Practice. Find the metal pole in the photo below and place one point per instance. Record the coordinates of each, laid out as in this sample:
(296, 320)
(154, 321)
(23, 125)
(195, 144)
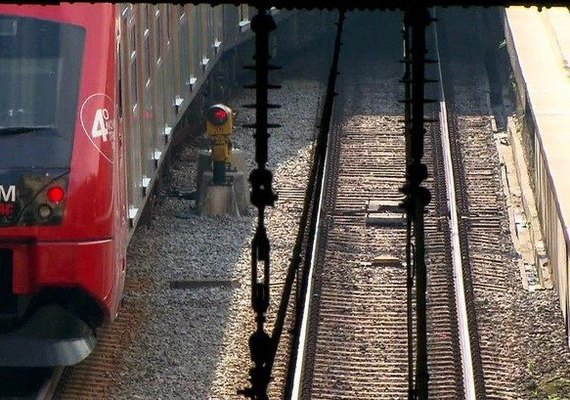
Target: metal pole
(419, 19)
(406, 80)
(262, 347)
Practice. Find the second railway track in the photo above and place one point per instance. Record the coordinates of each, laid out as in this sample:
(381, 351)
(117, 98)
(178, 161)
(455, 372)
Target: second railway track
(358, 346)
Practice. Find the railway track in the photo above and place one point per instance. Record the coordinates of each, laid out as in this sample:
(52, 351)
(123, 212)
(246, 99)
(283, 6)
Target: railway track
(361, 306)
(442, 305)
(486, 245)
(357, 346)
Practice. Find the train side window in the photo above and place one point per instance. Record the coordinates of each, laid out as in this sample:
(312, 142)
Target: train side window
(147, 56)
(182, 18)
(145, 19)
(206, 32)
(244, 13)
(193, 44)
(122, 62)
(218, 26)
(133, 40)
(133, 72)
(196, 38)
(145, 29)
(183, 35)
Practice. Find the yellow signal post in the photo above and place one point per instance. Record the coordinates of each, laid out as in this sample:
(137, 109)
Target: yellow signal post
(220, 126)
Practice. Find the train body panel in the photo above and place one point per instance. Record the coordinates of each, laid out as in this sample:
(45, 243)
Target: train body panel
(91, 145)
(167, 55)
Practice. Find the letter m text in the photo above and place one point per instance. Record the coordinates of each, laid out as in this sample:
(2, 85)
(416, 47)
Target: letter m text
(9, 195)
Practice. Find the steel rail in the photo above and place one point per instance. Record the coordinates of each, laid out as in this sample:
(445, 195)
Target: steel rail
(462, 317)
(323, 160)
(297, 377)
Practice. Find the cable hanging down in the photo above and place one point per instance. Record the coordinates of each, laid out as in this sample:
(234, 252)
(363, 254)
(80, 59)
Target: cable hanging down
(417, 197)
(262, 347)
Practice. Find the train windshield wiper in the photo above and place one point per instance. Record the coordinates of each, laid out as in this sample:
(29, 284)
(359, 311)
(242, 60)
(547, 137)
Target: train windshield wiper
(17, 130)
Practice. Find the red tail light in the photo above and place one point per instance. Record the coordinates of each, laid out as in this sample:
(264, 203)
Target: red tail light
(55, 194)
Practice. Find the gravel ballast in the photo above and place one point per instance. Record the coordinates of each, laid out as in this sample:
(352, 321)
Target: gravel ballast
(195, 339)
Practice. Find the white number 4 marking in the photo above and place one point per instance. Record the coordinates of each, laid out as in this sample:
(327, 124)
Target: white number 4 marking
(100, 124)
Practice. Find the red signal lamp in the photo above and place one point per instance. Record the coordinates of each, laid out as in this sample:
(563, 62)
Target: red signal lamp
(218, 115)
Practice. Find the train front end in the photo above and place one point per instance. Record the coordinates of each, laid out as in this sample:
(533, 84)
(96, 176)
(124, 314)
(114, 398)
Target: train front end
(61, 223)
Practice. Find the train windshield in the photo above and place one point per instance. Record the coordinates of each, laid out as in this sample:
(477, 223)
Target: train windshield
(40, 68)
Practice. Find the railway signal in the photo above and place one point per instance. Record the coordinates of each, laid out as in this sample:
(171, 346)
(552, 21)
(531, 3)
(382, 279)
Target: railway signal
(220, 126)
(220, 120)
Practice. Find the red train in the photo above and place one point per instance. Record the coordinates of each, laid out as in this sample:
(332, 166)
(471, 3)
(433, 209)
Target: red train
(87, 105)
(89, 97)
(63, 228)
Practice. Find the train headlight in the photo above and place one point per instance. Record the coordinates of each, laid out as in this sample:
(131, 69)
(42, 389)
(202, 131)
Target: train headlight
(44, 211)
